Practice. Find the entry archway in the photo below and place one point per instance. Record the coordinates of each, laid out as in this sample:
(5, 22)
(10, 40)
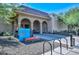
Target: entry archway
(44, 27)
(36, 27)
(25, 23)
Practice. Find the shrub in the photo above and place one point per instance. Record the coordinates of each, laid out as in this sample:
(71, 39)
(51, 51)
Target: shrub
(6, 34)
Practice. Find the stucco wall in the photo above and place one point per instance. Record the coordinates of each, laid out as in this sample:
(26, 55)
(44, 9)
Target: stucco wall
(59, 26)
(56, 25)
(5, 27)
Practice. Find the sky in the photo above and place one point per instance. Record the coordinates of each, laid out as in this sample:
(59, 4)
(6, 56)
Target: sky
(52, 7)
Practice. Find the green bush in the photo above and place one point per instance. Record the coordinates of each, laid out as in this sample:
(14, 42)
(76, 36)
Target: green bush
(6, 34)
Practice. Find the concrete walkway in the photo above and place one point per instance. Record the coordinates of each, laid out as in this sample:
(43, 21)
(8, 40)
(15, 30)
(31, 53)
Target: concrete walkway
(14, 47)
(73, 51)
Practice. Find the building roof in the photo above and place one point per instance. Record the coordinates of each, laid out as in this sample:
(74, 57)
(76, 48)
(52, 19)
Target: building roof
(34, 11)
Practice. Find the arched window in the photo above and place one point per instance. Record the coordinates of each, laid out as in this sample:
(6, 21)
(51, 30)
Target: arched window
(36, 26)
(44, 27)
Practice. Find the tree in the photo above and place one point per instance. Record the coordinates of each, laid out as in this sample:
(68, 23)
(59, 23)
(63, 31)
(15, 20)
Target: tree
(70, 18)
(8, 13)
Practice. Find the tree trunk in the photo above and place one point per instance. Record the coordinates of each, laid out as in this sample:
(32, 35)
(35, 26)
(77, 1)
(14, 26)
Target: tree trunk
(13, 28)
(69, 28)
(76, 31)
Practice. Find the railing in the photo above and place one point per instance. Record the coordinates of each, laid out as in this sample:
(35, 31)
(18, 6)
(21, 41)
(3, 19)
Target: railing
(44, 46)
(61, 44)
(54, 45)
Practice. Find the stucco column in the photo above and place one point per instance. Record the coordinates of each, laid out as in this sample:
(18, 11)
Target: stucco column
(31, 25)
(19, 22)
(41, 28)
(31, 28)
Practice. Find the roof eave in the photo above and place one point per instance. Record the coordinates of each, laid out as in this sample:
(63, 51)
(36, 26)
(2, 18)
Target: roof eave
(34, 15)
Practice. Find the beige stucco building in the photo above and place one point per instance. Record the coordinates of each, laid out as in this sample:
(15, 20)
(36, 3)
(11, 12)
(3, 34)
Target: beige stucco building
(38, 21)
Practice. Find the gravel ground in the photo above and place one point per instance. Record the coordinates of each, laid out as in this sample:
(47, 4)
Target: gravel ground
(14, 47)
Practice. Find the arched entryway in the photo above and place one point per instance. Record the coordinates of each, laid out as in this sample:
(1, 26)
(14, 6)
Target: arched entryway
(25, 23)
(44, 27)
(36, 27)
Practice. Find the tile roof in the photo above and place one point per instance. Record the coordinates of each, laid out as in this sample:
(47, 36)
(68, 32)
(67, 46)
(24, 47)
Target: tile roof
(34, 11)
